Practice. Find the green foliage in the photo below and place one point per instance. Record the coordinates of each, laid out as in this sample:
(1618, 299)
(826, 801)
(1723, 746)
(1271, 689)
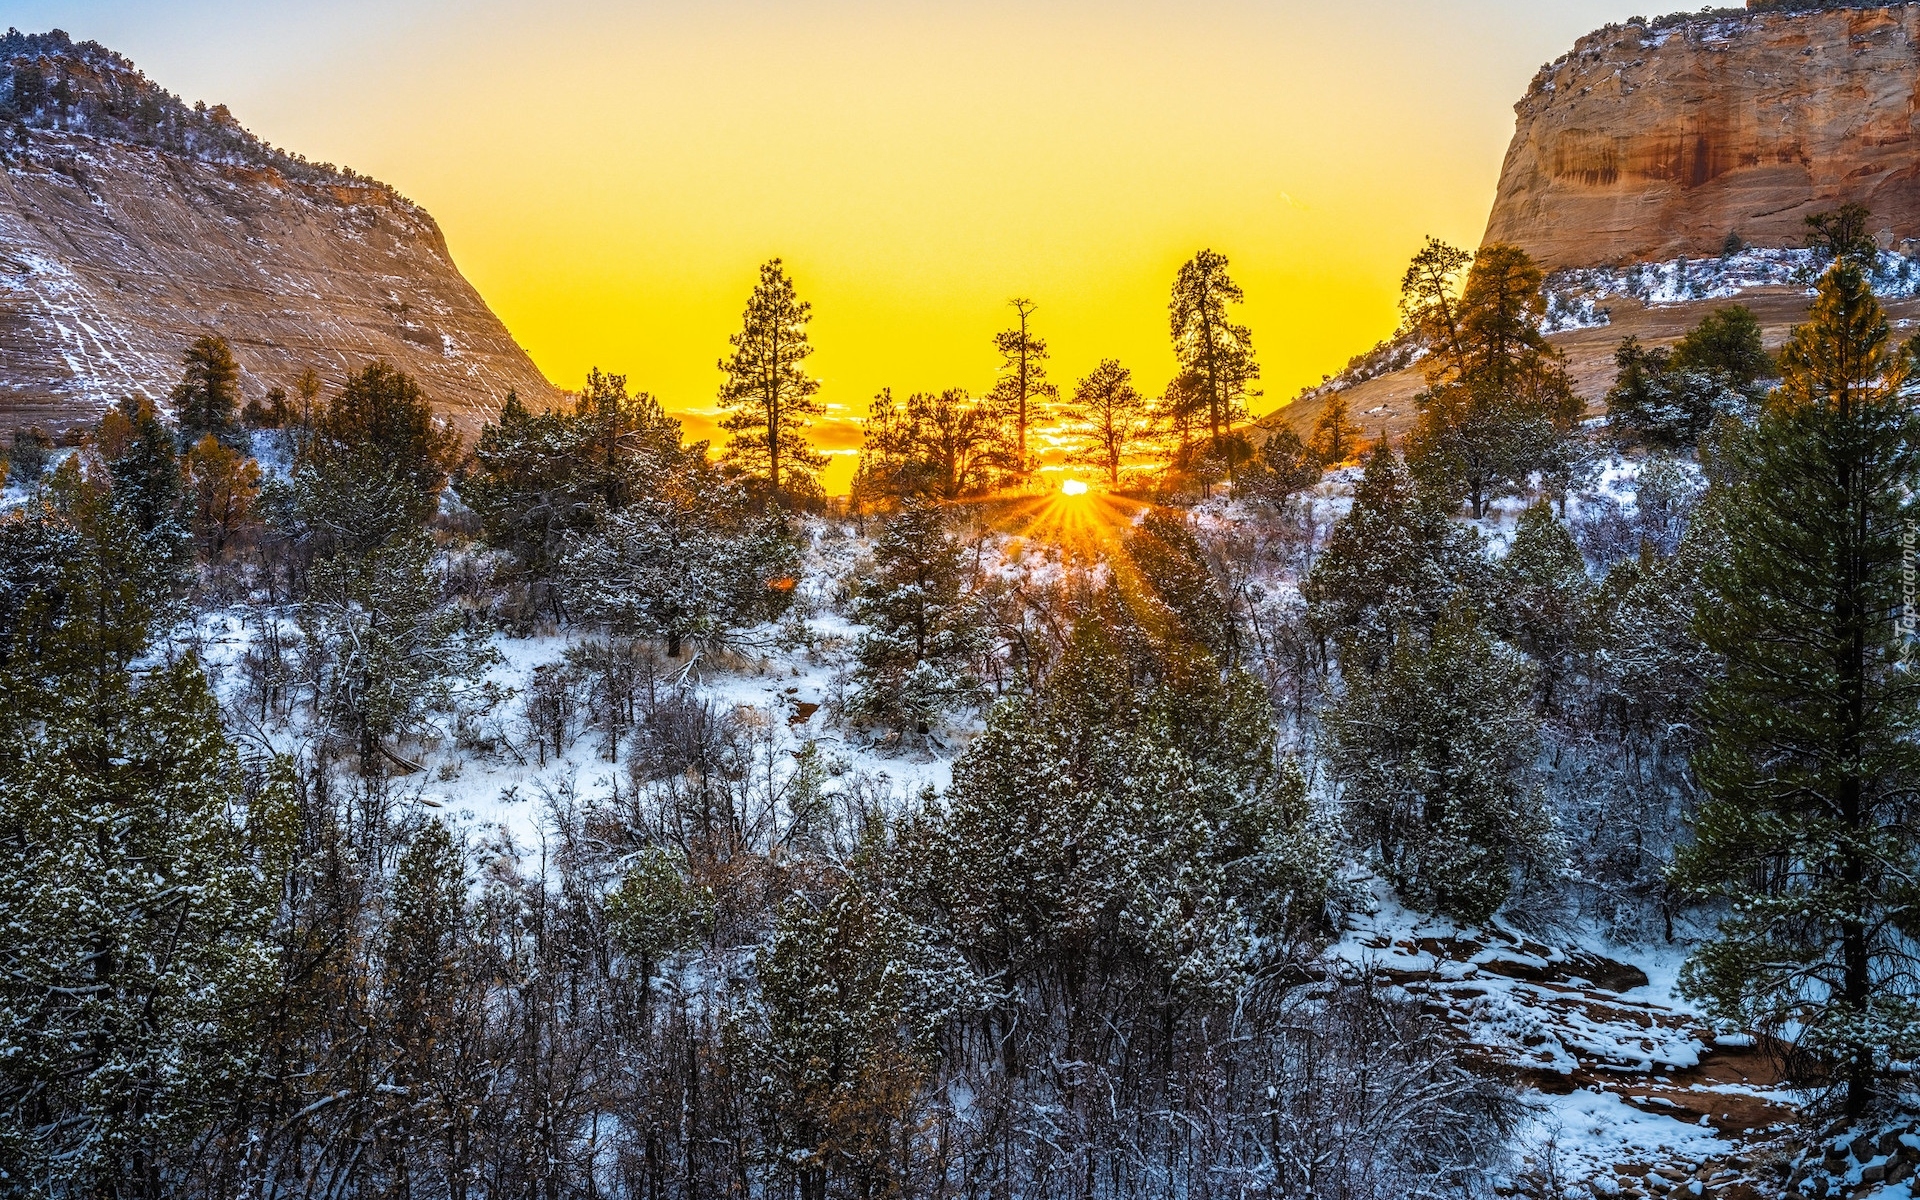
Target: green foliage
(1392, 566)
(1542, 598)
(1287, 467)
(1726, 340)
(853, 997)
(1118, 819)
(27, 457)
(536, 477)
(207, 398)
(82, 583)
(139, 881)
(686, 560)
(370, 466)
(768, 395)
(1435, 752)
(1843, 233)
(657, 910)
(1809, 756)
(397, 651)
(1672, 398)
(1429, 297)
(1498, 403)
(915, 657)
(1179, 590)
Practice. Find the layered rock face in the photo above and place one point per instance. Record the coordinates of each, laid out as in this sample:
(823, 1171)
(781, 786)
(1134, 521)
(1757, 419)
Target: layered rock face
(129, 225)
(1651, 144)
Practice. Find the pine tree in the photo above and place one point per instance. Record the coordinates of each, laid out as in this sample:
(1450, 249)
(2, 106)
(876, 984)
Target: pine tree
(397, 649)
(1336, 437)
(1210, 347)
(1542, 598)
(1392, 565)
(1498, 400)
(207, 398)
(536, 478)
(768, 394)
(853, 998)
(1672, 397)
(916, 654)
(1435, 753)
(1022, 384)
(1843, 233)
(937, 445)
(139, 452)
(224, 486)
(27, 457)
(683, 561)
(1429, 299)
(1288, 467)
(1726, 340)
(1809, 758)
(371, 464)
(140, 876)
(1179, 585)
(1114, 417)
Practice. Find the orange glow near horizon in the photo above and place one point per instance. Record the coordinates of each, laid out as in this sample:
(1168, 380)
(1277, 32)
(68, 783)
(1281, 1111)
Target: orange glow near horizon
(611, 175)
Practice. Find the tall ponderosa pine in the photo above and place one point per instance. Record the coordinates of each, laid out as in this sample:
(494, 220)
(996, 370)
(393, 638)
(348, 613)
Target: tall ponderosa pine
(1023, 378)
(1810, 761)
(207, 398)
(1498, 398)
(768, 394)
(1113, 415)
(1212, 349)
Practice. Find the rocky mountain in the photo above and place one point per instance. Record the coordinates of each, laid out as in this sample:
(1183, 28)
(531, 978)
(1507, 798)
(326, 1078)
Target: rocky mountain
(1664, 168)
(1653, 141)
(130, 224)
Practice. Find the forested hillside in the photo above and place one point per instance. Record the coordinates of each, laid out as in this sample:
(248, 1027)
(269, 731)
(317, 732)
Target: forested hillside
(1098, 802)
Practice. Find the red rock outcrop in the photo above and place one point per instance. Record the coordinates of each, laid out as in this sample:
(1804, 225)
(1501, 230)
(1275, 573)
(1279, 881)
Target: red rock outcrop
(129, 225)
(1648, 144)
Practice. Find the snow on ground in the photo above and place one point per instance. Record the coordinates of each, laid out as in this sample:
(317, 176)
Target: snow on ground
(1620, 1071)
(785, 675)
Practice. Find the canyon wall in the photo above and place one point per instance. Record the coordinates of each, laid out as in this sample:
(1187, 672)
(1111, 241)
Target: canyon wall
(1651, 143)
(129, 225)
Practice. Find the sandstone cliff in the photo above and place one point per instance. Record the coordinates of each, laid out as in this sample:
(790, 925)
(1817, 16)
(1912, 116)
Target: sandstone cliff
(1648, 144)
(130, 224)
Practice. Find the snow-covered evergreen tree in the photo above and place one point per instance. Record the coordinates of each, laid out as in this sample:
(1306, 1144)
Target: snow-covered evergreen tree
(1542, 598)
(139, 882)
(1810, 758)
(1435, 755)
(915, 656)
(1393, 564)
(684, 560)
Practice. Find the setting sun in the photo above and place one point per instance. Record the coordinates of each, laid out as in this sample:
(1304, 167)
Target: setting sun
(1074, 487)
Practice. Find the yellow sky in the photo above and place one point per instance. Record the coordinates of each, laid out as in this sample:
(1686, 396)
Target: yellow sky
(610, 175)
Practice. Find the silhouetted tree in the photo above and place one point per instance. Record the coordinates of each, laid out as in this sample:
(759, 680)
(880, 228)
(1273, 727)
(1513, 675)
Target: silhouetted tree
(768, 395)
